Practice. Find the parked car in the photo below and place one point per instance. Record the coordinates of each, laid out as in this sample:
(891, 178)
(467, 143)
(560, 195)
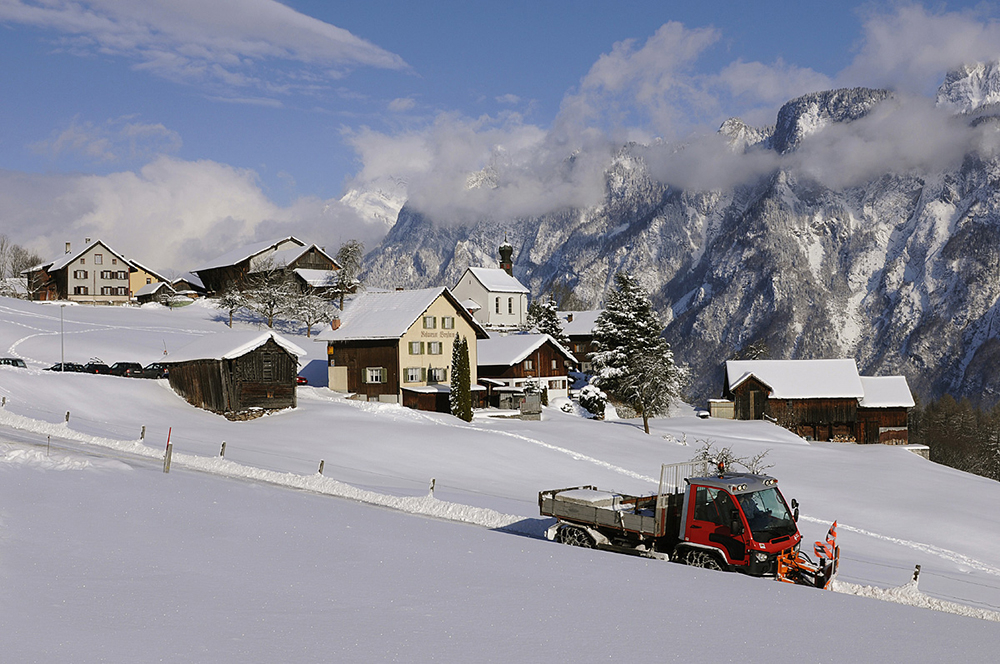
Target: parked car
(69, 366)
(154, 370)
(122, 368)
(301, 380)
(13, 362)
(96, 368)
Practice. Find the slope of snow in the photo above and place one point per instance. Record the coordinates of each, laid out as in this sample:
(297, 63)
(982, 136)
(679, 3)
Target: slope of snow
(256, 557)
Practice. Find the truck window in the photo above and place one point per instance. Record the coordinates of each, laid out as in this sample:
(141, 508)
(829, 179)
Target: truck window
(713, 505)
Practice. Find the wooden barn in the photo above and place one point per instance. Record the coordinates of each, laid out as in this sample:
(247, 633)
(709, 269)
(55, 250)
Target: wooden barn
(308, 264)
(236, 373)
(825, 400)
(506, 362)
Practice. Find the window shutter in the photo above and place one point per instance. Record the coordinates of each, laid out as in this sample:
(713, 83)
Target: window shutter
(423, 374)
(364, 375)
(423, 346)
(383, 375)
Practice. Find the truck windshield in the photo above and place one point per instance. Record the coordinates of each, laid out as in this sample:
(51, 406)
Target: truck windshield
(767, 515)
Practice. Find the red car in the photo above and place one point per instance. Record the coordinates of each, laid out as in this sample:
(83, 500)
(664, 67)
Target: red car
(301, 380)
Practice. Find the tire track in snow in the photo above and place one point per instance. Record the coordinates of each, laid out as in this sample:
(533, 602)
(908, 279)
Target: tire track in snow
(959, 559)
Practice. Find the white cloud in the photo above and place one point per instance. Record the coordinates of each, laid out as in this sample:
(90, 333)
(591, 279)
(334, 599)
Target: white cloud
(221, 42)
(116, 140)
(509, 99)
(171, 214)
(773, 84)
(912, 48)
(401, 104)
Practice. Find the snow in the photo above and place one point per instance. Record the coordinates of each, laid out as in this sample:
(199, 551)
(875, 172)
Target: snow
(149, 289)
(496, 280)
(800, 379)
(230, 345)
(317, 278)
(387, 315)
(257, 557)
(886, 392)
(508, 350)
(582, 324)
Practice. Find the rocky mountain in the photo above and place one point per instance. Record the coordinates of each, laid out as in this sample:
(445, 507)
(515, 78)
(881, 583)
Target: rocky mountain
(901, 272)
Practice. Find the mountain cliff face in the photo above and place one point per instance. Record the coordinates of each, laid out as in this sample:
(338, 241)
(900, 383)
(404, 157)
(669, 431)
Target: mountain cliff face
(901, 272)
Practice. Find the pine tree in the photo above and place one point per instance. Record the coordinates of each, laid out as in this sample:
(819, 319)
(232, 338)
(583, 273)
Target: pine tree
(460, 398)
(543, 317)
(633, 363)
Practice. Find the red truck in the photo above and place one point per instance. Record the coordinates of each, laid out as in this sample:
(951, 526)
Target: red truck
(727, 521)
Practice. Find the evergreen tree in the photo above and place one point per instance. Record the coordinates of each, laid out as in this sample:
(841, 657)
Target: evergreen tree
(460, 398)
(349, 257)
(633, 363)
(543, 317)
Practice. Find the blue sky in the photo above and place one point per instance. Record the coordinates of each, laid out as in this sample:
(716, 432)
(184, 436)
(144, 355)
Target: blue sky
(177, 128)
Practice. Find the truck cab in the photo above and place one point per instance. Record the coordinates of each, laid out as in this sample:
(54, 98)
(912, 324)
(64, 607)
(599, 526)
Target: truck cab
(738, 520)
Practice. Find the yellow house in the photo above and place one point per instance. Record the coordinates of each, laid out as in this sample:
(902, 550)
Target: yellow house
(397, 346)
(142, 276)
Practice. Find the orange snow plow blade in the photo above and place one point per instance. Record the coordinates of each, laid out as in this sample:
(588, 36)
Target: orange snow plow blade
(796, 567)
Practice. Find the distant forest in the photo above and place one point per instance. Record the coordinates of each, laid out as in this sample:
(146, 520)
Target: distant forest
(959, 435)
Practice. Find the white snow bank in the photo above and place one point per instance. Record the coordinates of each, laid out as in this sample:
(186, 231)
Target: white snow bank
(910, 595)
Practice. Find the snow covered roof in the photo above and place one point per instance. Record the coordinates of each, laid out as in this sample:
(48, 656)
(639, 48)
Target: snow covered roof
(68, 258)
(192, 279)
(229, 345)
(582, 324)
(287, 256)
(886, 392)
(800, 379)
(140, 266)
(497, 280)
(389, 314)
(241, 254)
(471, 305)
(513, 348)
(149, 289)
(316, 278)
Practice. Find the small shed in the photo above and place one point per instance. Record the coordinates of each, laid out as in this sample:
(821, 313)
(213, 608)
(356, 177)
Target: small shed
(882, 413)
(236, 374)
(154, 292)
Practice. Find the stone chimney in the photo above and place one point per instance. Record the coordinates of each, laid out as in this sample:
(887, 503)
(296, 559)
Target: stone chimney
(86, 241)
(67, 247)
(506, 253)
(335, 324)
(569, 318)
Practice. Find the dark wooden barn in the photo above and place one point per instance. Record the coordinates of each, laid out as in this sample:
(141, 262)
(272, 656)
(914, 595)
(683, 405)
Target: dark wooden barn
(236, 374)
(825, 400)
(516, 358)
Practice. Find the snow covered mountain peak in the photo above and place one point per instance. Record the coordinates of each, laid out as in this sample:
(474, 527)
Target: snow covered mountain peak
(742, 136)
(810, 113)
(971, 87)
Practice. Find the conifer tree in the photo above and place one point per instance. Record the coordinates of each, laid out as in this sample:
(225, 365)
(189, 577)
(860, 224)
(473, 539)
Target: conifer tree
(543, 317)
(460, 398)
(633, 363)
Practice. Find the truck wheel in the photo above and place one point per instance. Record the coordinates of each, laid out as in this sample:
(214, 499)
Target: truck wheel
(575, 536)
(703, 559)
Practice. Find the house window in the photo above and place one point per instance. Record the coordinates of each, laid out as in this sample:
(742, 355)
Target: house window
(437, 375)
(98, 259)
(447, 322)
(114, 261)
(433, 347)
(413, 374)
(80, 290)
(529, 364)
(416, 348)
(498, 305)
(83, 261)
(374, 375)
(107, 290)
(555, 364)
(123, 274)
(430, 322)
(121, 290)
(79, 274)
(149, 280)
(510, 305)
(106, 274)
(267, 363)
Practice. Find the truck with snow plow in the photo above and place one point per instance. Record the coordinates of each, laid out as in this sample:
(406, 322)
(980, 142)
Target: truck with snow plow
(724, 520)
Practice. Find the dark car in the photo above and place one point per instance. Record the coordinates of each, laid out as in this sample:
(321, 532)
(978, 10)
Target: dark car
(122, 368)
(154, 370)
(68, 366)
(96, 368)
(13, 362)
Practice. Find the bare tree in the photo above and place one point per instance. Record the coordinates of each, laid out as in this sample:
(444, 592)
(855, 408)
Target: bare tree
(311, 310)
(350, 257)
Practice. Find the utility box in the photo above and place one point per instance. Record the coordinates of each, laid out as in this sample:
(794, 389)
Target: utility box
(531, 407)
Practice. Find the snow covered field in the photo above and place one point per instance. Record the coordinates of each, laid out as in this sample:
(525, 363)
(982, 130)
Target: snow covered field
(249, 558)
